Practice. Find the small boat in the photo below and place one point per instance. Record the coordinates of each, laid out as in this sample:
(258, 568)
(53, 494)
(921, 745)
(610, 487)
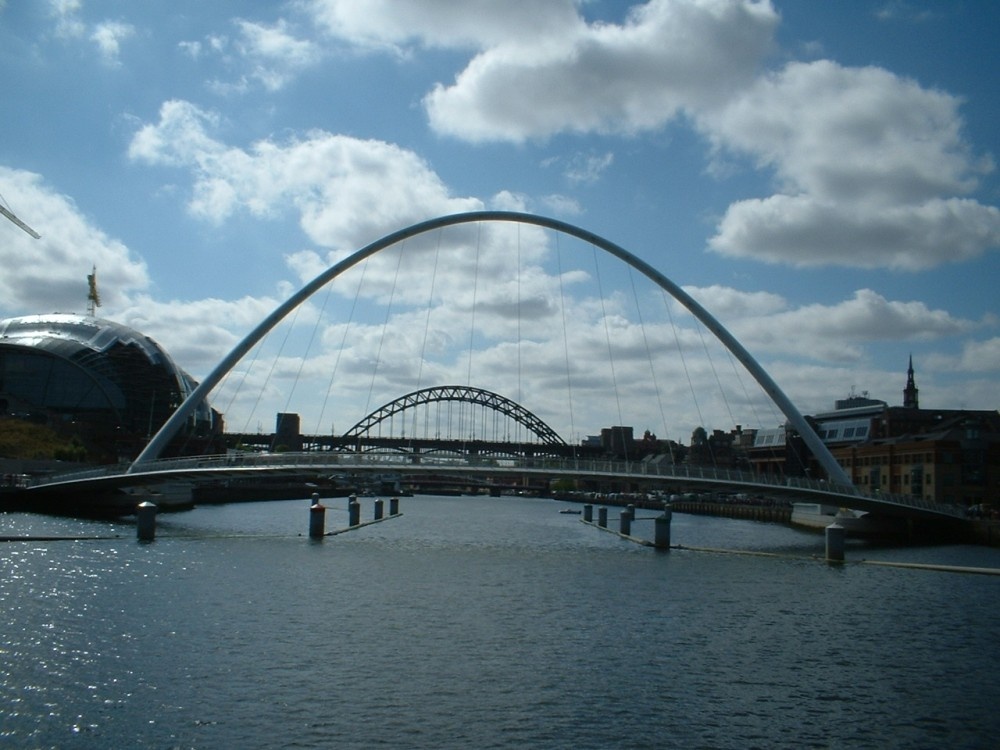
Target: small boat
(570, 512)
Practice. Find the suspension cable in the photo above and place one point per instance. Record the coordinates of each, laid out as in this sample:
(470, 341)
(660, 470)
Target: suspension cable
(517, 276)
(649, 357)
(472, 333)
(242, 381)
(340, 350)
(312, 337)
(680, 352)
(385, 327)
(427, 322)
(274, 364)
(607, 337)
(562, 309)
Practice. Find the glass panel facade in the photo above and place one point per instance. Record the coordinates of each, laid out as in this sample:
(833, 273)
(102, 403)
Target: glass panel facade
(34, 382)
(95, 380)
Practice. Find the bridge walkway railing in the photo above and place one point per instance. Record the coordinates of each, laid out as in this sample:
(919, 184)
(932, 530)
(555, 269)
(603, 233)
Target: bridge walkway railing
(337, 461)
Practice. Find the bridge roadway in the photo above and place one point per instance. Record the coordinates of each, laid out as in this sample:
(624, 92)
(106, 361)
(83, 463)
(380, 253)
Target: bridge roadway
(414, 445)
(325, 464)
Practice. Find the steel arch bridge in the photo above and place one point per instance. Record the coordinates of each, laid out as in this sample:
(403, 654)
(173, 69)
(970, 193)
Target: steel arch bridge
(464, 394)
(833, 469)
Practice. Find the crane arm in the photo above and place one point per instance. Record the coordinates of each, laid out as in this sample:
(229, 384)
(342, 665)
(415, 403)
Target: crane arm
(20, 223)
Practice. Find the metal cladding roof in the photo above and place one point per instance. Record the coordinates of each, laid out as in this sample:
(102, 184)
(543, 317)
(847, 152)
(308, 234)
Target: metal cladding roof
(92, 343)
(79, 331)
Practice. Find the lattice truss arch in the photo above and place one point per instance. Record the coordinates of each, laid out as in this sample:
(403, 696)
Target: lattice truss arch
(466, 394)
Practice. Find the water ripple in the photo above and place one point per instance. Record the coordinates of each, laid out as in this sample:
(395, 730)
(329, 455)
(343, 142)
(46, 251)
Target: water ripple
(483, 623)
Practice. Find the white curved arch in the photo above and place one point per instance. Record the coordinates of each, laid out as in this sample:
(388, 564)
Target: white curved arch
(834, 471)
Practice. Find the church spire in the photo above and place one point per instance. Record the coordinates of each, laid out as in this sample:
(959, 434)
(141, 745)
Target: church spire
(910, 400)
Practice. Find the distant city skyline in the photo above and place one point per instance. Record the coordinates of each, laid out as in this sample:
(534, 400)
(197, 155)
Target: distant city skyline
(820, 176)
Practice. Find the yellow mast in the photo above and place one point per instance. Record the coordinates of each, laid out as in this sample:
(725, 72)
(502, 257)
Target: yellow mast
(93, 298)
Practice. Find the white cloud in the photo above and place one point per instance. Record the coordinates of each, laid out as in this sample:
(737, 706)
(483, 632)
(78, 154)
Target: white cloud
(726, 303)
(869, 166)
(259, 54)
(869, 316)
(391, 24)
(347, 191)
(179, 139)
(587, 169)
(275, 43)
(274, 54)
(191, 49)
(561, 205)
(899, 10)
(197, 333)
(871, 170)
(108, 36)
(841, 133)
(804, 231)
(764, 323)
(56, 278)
(218, 43)
(667, 57)
(871, 208)
(427, 291)
(65, 12)
(981, 356)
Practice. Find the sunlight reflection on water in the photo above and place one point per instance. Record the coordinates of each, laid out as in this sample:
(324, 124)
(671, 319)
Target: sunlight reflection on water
(478, 622)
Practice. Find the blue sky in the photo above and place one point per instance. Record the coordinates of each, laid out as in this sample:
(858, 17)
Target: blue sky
(821, 176)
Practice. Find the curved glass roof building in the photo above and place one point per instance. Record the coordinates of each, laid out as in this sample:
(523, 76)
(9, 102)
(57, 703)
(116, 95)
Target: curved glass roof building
(99, 381)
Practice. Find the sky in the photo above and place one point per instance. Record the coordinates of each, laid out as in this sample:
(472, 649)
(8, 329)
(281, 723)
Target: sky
(821, 177)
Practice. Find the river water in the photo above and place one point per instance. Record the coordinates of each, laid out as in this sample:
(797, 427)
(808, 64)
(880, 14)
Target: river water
(485, 623)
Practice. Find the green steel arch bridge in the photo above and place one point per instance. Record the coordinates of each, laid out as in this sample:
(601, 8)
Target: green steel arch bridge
(515, 431)
(498, 404)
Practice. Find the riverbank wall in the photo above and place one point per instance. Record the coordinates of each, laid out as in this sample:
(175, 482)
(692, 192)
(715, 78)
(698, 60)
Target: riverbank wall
(768, 513)
(985, 532)
(975, 531)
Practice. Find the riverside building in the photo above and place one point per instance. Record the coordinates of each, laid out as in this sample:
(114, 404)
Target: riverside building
(941, 455)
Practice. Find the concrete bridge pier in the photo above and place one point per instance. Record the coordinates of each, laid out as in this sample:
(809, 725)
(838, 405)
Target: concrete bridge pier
(625, 522)
(588, 513)
(835, 534)
(145, 525)
(317, 518)
(379, 509)
(602, 517)
(661, 533)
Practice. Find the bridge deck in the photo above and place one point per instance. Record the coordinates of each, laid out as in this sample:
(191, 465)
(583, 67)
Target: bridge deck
(205, 468)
